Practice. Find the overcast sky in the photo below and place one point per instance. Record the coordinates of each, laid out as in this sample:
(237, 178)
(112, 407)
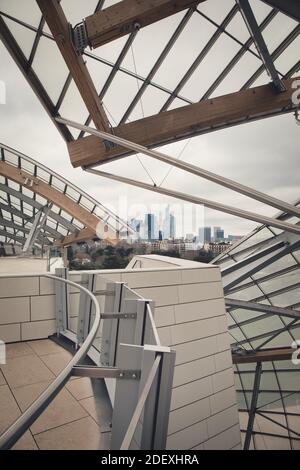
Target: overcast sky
(264, 154)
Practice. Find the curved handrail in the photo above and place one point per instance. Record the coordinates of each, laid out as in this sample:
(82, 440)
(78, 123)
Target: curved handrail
(20, 426)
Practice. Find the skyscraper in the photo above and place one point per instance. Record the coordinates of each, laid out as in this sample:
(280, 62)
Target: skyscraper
(218, 234)
(150, 227)
(205, 235)
(169, 228)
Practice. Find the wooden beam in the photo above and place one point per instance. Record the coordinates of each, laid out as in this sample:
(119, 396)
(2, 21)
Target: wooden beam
(82, 235)
(127, 16)
(58, 24)
(205, 116)
(264, 355)
(90, 221)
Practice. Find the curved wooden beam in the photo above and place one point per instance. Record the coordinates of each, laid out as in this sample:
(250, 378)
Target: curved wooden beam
(90, 221)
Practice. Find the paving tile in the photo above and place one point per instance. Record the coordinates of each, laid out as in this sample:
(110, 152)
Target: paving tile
(26, 442)
(2, 379)
(83, 434)
(44, 346)
(9, 410)
(99, 406)
(17, 350)
(26, 395)
(25, 370)
(63, 409)
(82, 388)
(58, 361)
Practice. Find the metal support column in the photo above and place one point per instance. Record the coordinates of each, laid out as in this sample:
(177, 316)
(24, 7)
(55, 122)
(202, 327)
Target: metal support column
(86, 309)
(61, 301)
(259, 41)
(253, 406)
(39, 222)
(141, 421)
(111, 325)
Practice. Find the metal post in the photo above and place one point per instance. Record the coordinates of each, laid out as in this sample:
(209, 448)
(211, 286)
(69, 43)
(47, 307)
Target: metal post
(86, 309)
(111, 325)
(253, 406)
(61, 301)
(157, 408)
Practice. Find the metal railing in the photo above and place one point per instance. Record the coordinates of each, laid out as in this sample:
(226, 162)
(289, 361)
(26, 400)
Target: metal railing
(124, 345)
(20, 426)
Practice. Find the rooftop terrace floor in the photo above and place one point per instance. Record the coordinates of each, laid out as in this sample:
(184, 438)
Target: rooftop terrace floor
(79, 418)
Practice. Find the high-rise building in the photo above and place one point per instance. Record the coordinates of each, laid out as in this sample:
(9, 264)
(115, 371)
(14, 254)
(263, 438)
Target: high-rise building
(169, 228)
(150, 227)
(137, 225)
(205, 235)
(218, 234)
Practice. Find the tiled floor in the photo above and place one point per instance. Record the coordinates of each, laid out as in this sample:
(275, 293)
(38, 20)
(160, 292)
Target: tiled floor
(78, 418)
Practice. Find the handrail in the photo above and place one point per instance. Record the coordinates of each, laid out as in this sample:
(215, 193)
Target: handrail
(20, 426)
(140, 405)
(155, 333)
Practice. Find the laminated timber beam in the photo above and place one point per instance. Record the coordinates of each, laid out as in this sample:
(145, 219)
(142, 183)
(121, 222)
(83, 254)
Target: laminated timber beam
(81, 236)
(61, 31)
(188, 121)
(53, 195)
(288, 7)
(264, 355)
(129, 15)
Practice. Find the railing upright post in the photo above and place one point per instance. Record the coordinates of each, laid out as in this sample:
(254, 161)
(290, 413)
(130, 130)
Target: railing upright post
(157, 408)
(86, 308)
(111, 326)
(61, 300)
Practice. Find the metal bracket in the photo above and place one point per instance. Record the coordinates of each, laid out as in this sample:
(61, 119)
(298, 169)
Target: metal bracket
(80, 38)
(126, 316)
(106, 372)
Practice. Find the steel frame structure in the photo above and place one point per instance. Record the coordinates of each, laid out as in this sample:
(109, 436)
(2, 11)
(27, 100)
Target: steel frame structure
(261, 273)
(24, 202)
(263, 314)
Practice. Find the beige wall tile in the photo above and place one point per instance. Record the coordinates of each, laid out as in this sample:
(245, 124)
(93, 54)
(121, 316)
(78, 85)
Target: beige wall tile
(225, 441)
(223, 360)
(195, 349)
(201, 291)
(166, 295)
(224, 420)
(189, 437)
(38, 329)
(47, 286)
(193, 370)
(222, 400)
(149, 279)
(19, 287)
(188, 415)
(186, 332)
(209, 274)
(10, 333)
(186, 394)
(222, 380)
(199, 310)
(14, 310)
(43, 307)
(164, 316)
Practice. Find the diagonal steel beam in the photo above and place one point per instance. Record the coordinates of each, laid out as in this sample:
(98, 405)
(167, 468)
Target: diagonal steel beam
(158, 64)
(256, 307)
(193, 169)
(260, 266)
(260, 43)
(253, 406)
(196, 200)
(17, 54)
(288, 7)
